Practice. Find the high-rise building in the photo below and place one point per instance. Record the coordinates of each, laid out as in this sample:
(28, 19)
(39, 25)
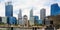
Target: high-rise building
(25, 19)
(55, 9)
(9, 13)
(8, 9)
(42, 14)
(31, 20)
(20, 21)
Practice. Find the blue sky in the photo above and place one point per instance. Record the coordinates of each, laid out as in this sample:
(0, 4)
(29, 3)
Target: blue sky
(26, 6)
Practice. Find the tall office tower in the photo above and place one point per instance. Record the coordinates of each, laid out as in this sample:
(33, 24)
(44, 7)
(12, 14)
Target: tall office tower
(9, 13)
(20, 17)
(42, 13)
(31, 20)
(25, 19)
(55, 9)
(8, 9)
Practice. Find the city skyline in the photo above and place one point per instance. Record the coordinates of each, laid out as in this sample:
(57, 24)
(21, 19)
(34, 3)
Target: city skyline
(27, 5)
(30, 14)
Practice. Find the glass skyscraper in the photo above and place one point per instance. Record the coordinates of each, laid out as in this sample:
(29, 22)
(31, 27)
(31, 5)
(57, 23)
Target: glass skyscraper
(55, 9)
(9, 13)
(8, 9)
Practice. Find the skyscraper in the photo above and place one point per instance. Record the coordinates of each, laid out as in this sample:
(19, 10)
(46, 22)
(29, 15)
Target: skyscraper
(55, 9)
(31, 20)
(9, 13)
(8, 9)
(42, 13)
(20, 17)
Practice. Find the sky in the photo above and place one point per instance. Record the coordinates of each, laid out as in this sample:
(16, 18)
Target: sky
(27, 5)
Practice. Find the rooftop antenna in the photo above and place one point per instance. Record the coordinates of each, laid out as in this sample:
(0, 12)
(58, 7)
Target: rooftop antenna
(8, 3)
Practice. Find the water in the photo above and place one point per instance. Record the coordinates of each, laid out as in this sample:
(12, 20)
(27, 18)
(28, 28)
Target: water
(3, 28)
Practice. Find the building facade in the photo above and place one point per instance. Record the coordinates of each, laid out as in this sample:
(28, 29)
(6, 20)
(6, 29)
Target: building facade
(55, 9)
(4, 20)
(25, 19)
(11, 20)
(31, 20)
(40, 22)
(42, 14)
(9, 13)
(8, 9)
(20, 21)
(0, 19)
(36, 18)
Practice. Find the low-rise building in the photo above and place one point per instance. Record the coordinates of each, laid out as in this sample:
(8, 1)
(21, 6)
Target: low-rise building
(4, 20)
